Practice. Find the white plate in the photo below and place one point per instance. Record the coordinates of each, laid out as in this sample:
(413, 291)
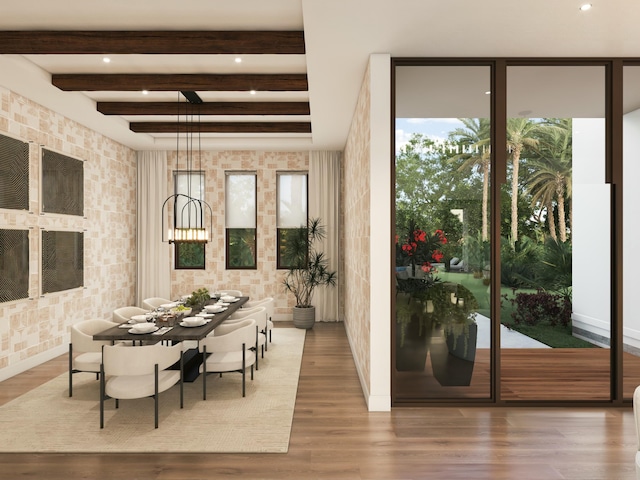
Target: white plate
(228, 299)
(205, 315)
(169, 306)
(136, 331)
(182, 324)
(223, 304)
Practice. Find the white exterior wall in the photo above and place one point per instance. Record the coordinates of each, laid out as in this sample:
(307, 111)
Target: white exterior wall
(631, 233)
(591, 228)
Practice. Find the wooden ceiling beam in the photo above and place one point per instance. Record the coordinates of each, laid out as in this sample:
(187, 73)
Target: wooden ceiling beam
(293, 82)
(206, 108)
(35, 42)
(221, 127)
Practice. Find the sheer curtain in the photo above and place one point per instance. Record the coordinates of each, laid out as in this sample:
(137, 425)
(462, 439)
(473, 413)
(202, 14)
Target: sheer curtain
(324, 203)
(154, 271)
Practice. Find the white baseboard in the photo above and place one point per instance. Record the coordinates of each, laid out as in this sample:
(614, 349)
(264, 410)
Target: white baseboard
(23, 366)
(374, 403)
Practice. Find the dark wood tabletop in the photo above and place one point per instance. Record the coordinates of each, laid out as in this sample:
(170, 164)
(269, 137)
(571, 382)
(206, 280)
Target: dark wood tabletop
(176, 333)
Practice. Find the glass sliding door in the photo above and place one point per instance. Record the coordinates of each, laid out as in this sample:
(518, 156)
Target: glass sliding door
(631, 233)
(555, 237)
(442, 334)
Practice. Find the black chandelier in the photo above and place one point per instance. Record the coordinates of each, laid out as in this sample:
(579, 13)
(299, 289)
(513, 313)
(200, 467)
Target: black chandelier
(191, 217)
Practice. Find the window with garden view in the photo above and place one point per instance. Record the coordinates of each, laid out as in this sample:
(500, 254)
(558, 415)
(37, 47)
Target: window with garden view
(240, 217)
(292, 209)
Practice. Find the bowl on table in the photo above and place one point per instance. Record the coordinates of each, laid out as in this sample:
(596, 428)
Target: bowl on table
(193, 321)
(138, 319)
(214, 308)
(143, 328)
(181, 310)
(228, 298)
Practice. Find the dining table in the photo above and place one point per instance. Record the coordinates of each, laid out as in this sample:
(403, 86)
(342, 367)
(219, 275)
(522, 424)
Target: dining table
(176, 333)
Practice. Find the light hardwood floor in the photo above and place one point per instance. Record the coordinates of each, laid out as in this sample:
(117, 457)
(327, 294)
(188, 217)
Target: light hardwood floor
(334, 437)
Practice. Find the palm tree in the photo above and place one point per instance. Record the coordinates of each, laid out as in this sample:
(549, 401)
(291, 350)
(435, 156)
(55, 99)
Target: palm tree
(551, 179)
(521, 133)
(477, 135)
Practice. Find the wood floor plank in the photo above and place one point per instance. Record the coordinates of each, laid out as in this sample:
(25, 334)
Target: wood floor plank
(334, 437)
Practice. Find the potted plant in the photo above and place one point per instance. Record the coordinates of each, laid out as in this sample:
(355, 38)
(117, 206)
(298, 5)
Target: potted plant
(414, 309)
(308, 268)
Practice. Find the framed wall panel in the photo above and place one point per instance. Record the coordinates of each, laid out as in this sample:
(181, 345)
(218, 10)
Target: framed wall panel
(62, 184)
(14, 264)
(14, 173)
(62, 260)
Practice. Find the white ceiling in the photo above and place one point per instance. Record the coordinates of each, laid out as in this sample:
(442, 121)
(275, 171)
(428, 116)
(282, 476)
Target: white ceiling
(339, 35)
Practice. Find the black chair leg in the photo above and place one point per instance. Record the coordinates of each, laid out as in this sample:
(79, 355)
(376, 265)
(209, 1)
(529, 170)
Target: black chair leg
(243, 368)
(156, 394)
(70, 370)
(204, 373)
(101, 397)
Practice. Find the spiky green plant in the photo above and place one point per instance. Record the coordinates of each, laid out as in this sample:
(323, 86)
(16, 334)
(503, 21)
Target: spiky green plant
(308, 267)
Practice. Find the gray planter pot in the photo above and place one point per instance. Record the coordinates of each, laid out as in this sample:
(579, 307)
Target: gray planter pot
(304, 317)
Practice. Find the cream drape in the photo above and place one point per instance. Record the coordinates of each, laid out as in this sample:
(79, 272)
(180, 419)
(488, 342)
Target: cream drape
(324, 203)
(154, 269)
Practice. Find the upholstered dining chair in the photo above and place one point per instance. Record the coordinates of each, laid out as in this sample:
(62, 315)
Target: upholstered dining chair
(260, 316)
(85, 353)
(139, 372)
(270, 304)
(124, 314)
(231, 349)
(636, 416)
(154, 302)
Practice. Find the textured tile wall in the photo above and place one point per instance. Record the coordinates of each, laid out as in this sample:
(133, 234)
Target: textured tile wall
(33, 327)
(357, 233)
(266, 280)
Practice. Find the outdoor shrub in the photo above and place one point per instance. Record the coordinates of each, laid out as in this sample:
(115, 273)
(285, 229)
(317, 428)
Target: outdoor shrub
(541, 308)
(518, 265)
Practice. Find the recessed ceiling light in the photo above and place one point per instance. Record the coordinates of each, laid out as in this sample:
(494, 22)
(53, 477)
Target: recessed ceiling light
(585, 7)
(252, 92)
(145, 92)
(238, 60)
(106, 59)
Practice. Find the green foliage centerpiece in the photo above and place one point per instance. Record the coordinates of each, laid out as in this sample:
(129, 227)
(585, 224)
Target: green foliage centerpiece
(198, 299)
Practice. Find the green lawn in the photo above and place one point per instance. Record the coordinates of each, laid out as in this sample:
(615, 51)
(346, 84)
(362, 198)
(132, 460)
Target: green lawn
(556, 337)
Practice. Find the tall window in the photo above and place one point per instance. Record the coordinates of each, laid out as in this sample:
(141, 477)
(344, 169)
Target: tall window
(189, 255)
(240, 219)
(292, 208)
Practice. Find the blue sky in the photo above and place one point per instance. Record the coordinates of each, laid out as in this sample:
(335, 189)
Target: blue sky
(436, 128)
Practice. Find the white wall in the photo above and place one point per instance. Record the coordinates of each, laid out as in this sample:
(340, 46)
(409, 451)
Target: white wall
(591, 229)
(380, 221)
(631, 233)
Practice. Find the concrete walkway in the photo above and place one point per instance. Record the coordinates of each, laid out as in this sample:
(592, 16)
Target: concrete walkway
(508, 338)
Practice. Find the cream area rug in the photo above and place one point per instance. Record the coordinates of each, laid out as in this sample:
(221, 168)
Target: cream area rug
(47, 420)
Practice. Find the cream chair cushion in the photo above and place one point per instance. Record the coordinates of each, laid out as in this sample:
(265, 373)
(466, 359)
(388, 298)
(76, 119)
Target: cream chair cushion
(154, 302)
(124, 314)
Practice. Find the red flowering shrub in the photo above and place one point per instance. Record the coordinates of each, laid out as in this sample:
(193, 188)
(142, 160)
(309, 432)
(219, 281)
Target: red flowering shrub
(421, 249)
